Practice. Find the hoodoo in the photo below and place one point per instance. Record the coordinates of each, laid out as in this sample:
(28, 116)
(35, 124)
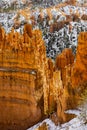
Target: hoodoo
(30, 83)
(80, 66)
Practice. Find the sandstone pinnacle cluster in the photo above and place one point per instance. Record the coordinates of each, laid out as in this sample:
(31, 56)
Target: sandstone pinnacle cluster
(31, 83)
(80, 66)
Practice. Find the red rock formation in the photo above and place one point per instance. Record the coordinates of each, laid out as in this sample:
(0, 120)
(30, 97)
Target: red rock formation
(22, 60)
(2, 37)
(30, 83)
(58, 25)
(80, 66)
(84, 17)
(66, 58)
(72, 2)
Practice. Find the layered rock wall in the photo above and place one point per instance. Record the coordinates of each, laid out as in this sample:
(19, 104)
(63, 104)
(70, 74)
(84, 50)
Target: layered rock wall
(22, 63)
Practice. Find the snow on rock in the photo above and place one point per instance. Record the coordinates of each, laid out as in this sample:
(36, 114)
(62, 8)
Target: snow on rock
(6, 20)
(9, 3)
(58, 40)
(78, 123)
(76, 112)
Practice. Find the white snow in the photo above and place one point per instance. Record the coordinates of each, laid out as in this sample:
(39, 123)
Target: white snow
(77, 123)
(74, 124)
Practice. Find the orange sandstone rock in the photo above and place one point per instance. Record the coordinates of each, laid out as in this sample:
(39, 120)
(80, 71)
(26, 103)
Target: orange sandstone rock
(63, 62)
(64, 59)
(28, 29)
(80, 66)
(30, 83)
(22, 63)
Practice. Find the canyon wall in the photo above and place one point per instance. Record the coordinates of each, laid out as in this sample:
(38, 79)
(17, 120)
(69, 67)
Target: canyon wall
(22, 63)
(79, 75)
(31, 84)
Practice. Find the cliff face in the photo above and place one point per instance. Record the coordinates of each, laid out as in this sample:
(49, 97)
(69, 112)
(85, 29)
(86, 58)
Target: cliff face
(80, 66)
(30, 83)
(22, 63)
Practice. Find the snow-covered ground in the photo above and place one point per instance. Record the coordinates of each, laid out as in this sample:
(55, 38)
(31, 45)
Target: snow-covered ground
(77, 123)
